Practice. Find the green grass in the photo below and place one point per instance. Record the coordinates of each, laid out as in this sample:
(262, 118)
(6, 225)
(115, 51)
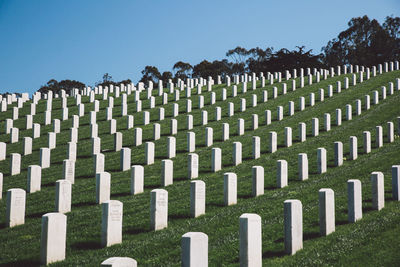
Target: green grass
(371, 241)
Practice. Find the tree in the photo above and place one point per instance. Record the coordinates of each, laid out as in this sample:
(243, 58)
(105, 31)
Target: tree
(150, 73)
(365, 42)
(166, 75)
(182, 70)
(240, 56)
(213, 69)
(66, 85)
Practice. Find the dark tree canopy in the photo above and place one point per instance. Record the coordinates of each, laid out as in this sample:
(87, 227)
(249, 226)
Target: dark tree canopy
(182, 70)
(206, 68)
(365, 42)
(150, 73)
(56, 87)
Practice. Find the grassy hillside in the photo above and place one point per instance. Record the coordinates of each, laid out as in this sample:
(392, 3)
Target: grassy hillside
(376, 234)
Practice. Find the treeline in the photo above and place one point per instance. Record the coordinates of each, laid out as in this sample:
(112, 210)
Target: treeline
(365, 42)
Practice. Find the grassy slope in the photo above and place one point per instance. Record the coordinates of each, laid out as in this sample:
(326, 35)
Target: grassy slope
(350, 243)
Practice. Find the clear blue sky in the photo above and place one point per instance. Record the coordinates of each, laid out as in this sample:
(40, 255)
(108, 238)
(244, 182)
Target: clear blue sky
(83, 39)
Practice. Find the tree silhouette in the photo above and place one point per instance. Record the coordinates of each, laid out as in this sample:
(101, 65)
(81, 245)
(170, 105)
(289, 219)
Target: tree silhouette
(365, 42)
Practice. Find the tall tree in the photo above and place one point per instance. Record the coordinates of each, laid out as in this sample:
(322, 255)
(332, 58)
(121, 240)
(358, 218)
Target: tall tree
(182, 70)
(150, 73)
(365, 42)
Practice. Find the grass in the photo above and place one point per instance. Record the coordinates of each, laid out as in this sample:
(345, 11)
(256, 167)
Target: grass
(350, 244)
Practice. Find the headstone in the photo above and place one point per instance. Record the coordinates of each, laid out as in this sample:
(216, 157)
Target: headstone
(303, 166)
(146, 117)
(242, 105)
(137, 179)
(338, 117)
(197, 198)
(167, 172)
(367, 141)
(230, 188)
(326, 198)
(193, 165)
(3, 148)
(171, 147)
(291, 108)
(209, 136)
(282, 173)
(27, 146)
(396, 182)
(258, 181)
(29, 122)
(231, 109)
(113, 126)
(69, 170)
(63, 196)
(250, 240)
(36, 130)
(353, 148)
(321, 94)
(338, 149)
(14, 135)
(225, 131)
(138, 136)
(125, 159)
(191, 141)
(237, 153)
(218, 113)
(390, 132)
(149, 151)
(9, 124)
(379, 137)
(45, 157)
(47, 117)
(378, 190)
(73, 132)
(119, 262)
(189, 122)
(279, 113)
(15, 211)
(293, 211)
(216, 159)
(174, 126)
(315, 127)
(367, 102)
(273, 142)
(175, 110)
(117, 141)
(15, 163)
(288, 136)
(375, 97)
(51, 140)
(302, 132)
(103, 187)
(327, 122)
(111, 223)
(98, 162)
(254, 121)
(34, 178)
(302, 103)
(256, 147)
(53, 238)
(158, 209)
(354, 200)
(194, 249)
(321, 160)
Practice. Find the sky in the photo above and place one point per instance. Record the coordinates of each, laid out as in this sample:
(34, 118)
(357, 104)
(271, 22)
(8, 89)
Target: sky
(81, 40)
